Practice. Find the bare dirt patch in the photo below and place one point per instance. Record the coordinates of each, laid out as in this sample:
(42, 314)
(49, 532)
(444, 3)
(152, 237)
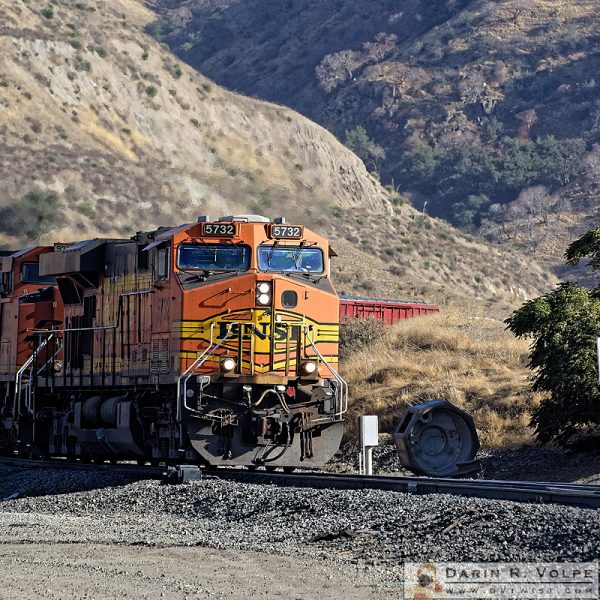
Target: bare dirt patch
(64, 571)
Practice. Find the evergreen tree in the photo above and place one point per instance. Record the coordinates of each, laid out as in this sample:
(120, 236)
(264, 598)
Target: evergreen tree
(564, 325)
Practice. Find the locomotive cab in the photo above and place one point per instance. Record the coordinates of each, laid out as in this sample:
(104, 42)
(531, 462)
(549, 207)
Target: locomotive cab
(259, 334)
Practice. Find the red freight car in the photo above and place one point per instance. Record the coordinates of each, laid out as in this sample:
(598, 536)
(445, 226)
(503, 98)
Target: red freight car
(388, 311)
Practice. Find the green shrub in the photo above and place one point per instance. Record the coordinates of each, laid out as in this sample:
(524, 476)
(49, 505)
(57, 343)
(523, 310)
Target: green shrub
(265, 199)
(457, 179)
(564, 326)
(398, 270)
(358, 141)
(469, 211)
(86, 209)
(81, 64)
(36, 214)
(151, 91)
(398, 200)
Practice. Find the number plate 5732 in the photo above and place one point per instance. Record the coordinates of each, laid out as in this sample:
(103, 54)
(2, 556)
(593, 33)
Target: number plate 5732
(292, 232)
(219, 229)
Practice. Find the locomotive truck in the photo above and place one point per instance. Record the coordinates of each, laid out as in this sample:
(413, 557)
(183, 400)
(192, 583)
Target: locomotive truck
(214, 342)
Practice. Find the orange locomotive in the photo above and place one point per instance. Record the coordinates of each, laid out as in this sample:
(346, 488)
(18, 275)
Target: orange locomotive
(213, 342)
(26, 299)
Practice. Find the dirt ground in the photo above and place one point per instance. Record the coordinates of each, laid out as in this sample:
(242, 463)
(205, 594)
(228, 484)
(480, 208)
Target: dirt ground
(32, 567)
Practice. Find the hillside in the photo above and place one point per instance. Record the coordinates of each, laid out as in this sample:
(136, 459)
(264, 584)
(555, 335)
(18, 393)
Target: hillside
(103, 131)
(486, 113)
(96, 110)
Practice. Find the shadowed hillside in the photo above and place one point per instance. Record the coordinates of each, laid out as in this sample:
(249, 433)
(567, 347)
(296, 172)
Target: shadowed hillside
(485, 113)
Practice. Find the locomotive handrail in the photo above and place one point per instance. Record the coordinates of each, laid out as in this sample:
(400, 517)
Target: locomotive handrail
(343, 402)
(58, 349)
(52, 331)
(199, 361)
(19, 376)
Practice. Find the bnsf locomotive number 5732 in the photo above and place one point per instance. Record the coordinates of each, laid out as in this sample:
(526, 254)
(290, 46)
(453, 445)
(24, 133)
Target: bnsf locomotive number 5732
(213, 342)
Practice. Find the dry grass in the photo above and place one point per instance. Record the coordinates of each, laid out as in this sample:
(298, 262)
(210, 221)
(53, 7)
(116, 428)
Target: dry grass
(458, 355)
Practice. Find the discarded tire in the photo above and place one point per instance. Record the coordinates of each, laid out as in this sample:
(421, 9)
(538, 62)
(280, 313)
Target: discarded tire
(437, 439)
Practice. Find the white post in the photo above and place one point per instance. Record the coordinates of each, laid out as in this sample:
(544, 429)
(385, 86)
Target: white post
(369, 438)
(369, 460)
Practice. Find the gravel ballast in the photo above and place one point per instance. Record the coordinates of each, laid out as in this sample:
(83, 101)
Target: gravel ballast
(376, 530)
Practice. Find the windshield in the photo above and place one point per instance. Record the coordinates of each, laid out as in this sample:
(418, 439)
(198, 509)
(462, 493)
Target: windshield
(293, 259)
(213, 257)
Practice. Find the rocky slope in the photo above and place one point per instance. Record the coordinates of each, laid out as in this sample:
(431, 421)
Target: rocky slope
(104, 131)
(467, 86)
(98, 111)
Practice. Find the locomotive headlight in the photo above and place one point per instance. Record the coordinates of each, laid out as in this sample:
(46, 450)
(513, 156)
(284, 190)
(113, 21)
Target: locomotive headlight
(227, 364)
(57, 366)
(263, 293)
(308, 367)
(263, 299)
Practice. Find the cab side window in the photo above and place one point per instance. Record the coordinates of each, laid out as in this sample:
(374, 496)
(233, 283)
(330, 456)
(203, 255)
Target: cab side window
(30, 273)
(6, 283)
(162, 263)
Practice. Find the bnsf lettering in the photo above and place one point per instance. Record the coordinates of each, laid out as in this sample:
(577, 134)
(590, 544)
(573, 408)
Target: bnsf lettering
(282, 333)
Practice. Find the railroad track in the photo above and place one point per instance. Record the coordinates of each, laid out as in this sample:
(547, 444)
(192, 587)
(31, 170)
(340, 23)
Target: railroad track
(518, 491)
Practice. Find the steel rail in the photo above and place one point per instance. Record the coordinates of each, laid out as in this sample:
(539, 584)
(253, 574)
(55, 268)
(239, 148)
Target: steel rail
(584, 495)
